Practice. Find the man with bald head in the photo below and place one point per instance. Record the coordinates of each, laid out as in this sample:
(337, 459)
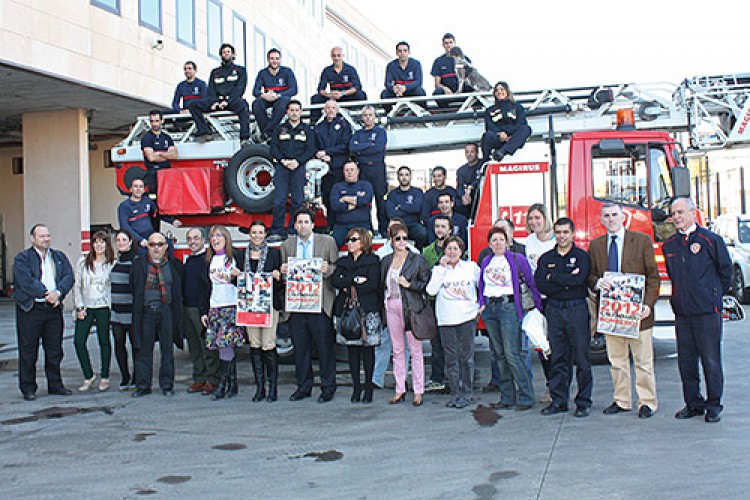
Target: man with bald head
(701, 272)
(339, 81)
(332, 137)
(156, 283)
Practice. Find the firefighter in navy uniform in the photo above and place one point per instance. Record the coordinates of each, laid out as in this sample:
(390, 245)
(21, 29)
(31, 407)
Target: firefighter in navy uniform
(188, 90)
(292, 145)
(339, 81)
(505, 125)
(444, 73)
(368, 148)
(700, 268)
(275, 85)
(226, 86)
(332, 136)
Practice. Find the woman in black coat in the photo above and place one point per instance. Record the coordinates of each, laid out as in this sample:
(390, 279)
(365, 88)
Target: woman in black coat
(360, 270)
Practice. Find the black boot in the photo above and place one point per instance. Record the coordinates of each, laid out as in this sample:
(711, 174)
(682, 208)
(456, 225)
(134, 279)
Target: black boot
(256, 357)
(221, 389)
(232, 388)
(272, 369)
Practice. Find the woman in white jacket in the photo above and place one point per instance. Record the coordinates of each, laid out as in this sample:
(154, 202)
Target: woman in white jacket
(454, 282)
(92, 297)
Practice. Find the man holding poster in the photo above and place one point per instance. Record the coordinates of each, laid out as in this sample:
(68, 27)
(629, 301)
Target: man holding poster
(307, 259)
(631, 253)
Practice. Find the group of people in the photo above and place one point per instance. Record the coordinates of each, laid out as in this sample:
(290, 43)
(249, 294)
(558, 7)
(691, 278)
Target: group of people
(399, 293)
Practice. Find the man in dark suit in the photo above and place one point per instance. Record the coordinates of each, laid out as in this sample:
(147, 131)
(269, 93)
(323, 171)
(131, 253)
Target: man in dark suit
(156, 283)
(306, 327)
(42, 277)
(621, 250)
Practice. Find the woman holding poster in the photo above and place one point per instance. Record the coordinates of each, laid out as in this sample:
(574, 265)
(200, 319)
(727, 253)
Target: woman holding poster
(262, 265)
(225, 264)
(358, 272)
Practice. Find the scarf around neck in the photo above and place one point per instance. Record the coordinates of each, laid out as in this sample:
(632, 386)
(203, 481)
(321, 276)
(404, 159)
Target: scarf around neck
(155, 278)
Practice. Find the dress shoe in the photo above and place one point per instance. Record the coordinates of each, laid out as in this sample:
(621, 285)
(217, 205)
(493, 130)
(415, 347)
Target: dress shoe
(167, 392)
(645, 411)
(461, 403)
(104, 384)
(582, 411)
(139, 393)
(500, 406)
(29, 396)
(688, 413)
(398, 398)
(325, 397)
(614, 408)
(712, 417)
(87, 383)
(417, 401)
(356, 395)
(552, 409)
(367, 396)
(208, 389)
(523, 407)
(62, 391)
(299, 395)
(196, 387)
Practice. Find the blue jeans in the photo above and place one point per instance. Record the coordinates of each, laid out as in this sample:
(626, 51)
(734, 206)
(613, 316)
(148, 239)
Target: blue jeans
(504, 330)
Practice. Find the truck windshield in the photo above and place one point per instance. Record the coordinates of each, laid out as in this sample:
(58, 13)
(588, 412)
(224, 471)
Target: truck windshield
(743, 231)
(622, 180)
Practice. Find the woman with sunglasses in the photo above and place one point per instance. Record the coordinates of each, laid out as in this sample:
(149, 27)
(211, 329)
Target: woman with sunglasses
(359, 270)
(93, 299)
(403, 277)
(500, 279)
(225, 263)
(454, 282)
(122, 306)
(260, 258)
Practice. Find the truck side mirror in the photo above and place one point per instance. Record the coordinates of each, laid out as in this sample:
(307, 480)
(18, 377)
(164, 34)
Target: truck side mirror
(612, 146)
(681, 182)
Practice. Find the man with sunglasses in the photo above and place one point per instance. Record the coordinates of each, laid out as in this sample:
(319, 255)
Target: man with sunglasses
(156, 284)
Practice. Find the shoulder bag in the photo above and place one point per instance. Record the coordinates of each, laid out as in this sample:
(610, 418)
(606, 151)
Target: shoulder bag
(352, 319)
(423, 324)
(527, 296)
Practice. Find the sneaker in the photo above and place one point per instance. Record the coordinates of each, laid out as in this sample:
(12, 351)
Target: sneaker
(433, 386)
(104, 384)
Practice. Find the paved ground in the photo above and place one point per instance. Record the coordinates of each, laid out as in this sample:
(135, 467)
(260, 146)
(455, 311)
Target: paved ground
(108, 445)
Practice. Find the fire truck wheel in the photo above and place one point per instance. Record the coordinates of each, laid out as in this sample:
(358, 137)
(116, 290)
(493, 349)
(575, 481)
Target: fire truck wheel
(248, 179)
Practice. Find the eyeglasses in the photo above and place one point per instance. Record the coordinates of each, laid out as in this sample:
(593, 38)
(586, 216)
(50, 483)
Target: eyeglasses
(157, 244)
(352, 239)
(400, 238)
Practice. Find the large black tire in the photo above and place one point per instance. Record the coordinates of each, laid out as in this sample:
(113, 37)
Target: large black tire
(738, 286)
(248, 179)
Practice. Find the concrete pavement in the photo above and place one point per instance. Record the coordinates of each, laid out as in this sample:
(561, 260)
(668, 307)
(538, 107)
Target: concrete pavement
(108, 445)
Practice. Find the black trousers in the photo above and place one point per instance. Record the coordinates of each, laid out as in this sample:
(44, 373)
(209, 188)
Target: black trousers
(367, 356)
(121, 333)
(491, 141)
(699, 340)
(43, 322)
(374, 173)
(570, 341)
(237, 106)
(437, 373)
(326, 186)
(309, 328)
(157, 325)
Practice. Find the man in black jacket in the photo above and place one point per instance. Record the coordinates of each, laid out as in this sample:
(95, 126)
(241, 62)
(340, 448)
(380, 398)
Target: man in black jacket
(156, 283)
(226, 86)
(42, 277)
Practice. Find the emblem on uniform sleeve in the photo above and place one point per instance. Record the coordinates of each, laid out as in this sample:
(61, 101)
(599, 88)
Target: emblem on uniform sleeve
(336, 127)
(346, 78)
(695, 248)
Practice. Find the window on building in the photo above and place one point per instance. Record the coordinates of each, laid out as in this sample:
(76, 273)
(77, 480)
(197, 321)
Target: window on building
(213, 28)
(239, 37)
(149, 14)
(186, 22)
(110, 5)
(259, 48)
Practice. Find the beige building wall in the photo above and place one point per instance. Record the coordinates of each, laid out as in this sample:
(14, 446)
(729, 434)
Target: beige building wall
(81, 42)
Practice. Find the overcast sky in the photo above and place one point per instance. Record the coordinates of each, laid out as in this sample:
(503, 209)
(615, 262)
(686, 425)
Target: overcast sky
(577, 42)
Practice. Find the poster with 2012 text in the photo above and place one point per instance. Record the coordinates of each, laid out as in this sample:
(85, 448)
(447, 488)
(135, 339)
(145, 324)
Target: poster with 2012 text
(620, 307)
(304, 285)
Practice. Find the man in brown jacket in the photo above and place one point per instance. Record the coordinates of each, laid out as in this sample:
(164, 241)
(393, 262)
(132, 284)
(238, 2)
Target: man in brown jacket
(633, 253)
(307, 327)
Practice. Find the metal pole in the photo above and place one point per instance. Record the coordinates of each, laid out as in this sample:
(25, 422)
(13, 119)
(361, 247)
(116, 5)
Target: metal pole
(707, 176)
(553, 168)
(697, 192)
(718, 195)
(743, 203)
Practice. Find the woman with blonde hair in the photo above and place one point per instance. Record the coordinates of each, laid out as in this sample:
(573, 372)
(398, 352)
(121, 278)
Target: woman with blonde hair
(225, 263)
(93, 300)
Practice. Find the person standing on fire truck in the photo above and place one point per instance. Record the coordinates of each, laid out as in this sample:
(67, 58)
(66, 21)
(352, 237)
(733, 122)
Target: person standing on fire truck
(292, 145)
(226, 86)
(367, 145)
(505, 124)
(158, 150)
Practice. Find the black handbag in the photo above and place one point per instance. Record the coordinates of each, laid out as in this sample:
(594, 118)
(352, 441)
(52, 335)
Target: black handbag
(352, 319)
(527, 296)
(423, 323)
